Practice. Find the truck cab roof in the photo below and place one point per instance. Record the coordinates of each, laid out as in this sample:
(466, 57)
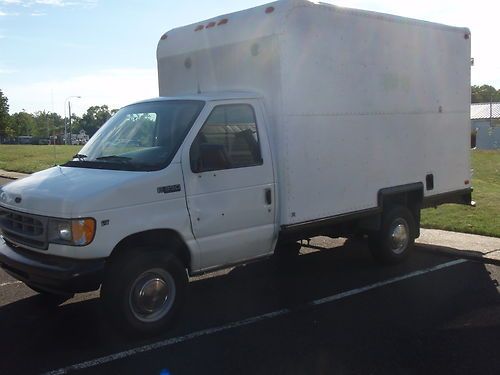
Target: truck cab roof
(207, 96)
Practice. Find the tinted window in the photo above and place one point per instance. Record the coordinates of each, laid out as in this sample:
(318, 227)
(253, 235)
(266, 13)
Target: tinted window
(228, 139)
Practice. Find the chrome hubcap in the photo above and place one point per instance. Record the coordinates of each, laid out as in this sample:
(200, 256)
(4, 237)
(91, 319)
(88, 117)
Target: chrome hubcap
(399, 237)
(152, 294)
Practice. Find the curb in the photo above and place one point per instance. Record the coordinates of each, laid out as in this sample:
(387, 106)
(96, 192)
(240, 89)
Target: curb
(12, 175)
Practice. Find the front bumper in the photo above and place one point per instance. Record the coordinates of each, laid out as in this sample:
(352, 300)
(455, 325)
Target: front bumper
(51, 273)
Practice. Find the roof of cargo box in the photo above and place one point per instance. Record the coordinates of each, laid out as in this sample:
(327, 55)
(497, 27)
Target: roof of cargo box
(254, 23)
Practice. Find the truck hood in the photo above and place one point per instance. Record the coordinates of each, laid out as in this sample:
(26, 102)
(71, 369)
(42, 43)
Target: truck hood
(69, 192)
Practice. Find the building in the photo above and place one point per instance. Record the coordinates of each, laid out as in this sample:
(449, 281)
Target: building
(485, 124)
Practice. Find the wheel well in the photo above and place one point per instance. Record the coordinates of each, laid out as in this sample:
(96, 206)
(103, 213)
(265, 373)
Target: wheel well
(167, 239)
(410, 196)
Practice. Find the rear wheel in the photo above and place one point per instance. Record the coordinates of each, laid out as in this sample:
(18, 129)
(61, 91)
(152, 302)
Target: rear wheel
(394, 241)
(144, 290)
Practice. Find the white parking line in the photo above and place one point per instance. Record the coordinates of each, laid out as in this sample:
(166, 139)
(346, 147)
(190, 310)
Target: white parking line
(245, 322)
(10, 283)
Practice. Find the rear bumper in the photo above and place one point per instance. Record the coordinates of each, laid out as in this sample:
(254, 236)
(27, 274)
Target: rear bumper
(463, 196)
(51, 273)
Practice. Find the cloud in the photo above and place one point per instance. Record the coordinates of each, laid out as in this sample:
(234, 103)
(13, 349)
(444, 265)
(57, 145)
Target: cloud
(49, 3)
(4, 14)
(64, 3)
(7, 71)
(114, 87)
(59, 3)
(38, 14)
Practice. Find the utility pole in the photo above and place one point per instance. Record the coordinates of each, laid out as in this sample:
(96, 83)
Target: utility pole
(69, 118)
(491, 111)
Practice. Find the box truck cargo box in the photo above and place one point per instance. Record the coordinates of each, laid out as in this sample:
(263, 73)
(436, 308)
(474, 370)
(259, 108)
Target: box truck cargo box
(356, 101)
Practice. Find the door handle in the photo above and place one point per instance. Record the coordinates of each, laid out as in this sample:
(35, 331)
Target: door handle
(269, 197)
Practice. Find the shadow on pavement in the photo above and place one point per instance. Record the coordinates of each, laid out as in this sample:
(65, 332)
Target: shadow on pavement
(484, 257)
(36, 338)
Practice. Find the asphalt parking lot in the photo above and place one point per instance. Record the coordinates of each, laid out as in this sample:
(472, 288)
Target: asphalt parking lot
(335, 311)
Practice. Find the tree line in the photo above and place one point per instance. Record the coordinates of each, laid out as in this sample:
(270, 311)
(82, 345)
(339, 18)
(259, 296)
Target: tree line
(485, 94)
(44, 124)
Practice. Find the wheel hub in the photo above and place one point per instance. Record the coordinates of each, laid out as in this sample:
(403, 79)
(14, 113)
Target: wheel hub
(152, 295)
(399, 238)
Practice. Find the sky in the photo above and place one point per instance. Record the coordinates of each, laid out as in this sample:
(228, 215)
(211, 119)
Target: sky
(105, 50)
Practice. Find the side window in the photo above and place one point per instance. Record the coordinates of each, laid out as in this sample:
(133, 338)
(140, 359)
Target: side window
(227, 140)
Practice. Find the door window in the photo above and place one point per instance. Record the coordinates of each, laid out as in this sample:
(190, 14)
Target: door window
(228, 139)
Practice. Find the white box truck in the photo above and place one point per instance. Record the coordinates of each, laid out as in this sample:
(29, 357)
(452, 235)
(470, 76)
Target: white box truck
(274, 124)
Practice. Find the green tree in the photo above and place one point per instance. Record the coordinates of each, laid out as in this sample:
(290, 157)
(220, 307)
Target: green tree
(47, 124)
(485, 94)
(4, 116)
(94, 118)
(22, 123)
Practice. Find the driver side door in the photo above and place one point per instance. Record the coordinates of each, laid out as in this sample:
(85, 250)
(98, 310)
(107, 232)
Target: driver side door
(230, 186)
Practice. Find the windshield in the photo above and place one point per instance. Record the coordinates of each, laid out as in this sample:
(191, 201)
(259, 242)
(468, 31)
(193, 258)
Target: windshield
(140, 137)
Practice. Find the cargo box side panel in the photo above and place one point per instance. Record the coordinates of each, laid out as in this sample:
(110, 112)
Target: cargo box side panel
(369, 102)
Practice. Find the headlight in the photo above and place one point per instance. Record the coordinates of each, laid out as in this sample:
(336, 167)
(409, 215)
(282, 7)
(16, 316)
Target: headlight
(77, 232)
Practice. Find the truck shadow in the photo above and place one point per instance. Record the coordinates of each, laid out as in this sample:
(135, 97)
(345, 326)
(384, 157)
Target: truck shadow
(38, 337)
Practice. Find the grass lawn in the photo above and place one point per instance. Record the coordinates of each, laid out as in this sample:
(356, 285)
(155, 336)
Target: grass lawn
(485, 217)
(29, 159)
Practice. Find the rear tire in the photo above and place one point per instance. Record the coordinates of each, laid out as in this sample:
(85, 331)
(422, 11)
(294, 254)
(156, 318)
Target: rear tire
(394, 241)
(143, 291)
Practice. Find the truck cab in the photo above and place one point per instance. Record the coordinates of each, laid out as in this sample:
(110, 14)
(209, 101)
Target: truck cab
(192, 173)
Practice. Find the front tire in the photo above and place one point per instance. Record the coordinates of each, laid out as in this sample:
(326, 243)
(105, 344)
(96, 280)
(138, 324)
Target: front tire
(394, 242)
(143, 290)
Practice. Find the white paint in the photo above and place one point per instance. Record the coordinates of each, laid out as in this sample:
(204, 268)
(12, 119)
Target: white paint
(245, 322)
(230, 218)
(10, 283)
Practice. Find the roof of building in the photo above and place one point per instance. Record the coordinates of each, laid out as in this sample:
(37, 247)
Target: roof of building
(479, 111)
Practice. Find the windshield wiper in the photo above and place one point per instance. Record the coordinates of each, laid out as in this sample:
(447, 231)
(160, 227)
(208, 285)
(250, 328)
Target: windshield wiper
(114, 158)
(80, 157)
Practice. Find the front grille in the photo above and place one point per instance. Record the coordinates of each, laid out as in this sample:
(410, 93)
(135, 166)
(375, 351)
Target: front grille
(24, 229)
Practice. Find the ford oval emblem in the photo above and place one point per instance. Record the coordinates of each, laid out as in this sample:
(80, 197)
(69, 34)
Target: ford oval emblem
(18, 200)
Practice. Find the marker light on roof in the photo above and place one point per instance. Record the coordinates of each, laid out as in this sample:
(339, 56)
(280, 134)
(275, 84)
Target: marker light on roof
(269, 10)
(223, 21)
(210, 24)
(199, 27)
(164, 36)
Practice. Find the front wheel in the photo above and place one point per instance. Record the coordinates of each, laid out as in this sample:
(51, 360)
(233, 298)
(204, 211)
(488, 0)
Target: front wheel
(144, 290)
(394, 242)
